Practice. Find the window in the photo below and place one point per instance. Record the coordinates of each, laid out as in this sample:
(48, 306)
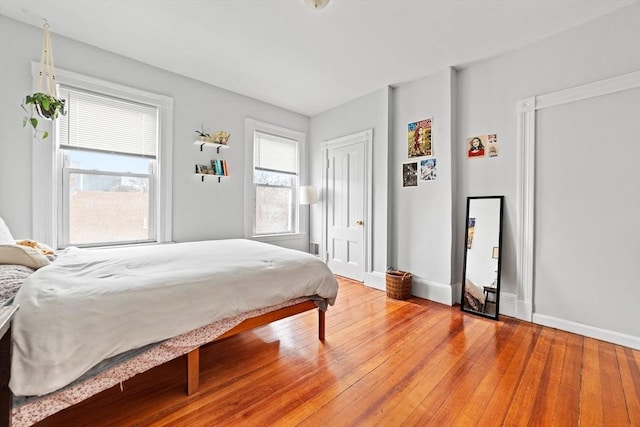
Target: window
(106, 180)
(276, 154)
(108, 169)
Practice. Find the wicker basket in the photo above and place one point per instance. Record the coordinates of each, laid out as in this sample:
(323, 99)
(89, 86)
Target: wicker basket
(398, 284)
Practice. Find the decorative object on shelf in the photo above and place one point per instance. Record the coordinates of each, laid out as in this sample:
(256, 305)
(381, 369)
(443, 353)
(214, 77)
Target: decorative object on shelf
(316, 4)
(221, 137)
(45, 101)
(203, 135)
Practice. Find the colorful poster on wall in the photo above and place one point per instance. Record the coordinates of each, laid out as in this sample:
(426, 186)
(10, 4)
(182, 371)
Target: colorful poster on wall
(482, 146)
(419, 139)
(410, 174)
(428, 170)
(471, 228)
(476, 146)
(492, 143)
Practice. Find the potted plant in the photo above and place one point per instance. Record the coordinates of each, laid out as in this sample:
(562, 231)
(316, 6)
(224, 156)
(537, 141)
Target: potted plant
(204, 136)
(46, 106)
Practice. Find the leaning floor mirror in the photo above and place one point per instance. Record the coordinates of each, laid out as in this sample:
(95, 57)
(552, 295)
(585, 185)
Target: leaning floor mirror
(482, 255)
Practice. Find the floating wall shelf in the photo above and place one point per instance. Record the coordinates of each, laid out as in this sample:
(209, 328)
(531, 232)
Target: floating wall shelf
(211, 145)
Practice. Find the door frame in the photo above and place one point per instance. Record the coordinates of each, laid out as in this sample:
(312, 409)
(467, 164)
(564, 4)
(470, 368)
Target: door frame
(362, 137)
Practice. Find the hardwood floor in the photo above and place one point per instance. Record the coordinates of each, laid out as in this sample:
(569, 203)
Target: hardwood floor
(384, 363)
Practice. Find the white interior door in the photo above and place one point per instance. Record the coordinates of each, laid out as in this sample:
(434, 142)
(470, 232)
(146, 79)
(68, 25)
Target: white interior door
(346, 209)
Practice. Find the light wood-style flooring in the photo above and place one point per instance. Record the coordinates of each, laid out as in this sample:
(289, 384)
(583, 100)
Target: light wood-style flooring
(384, 363)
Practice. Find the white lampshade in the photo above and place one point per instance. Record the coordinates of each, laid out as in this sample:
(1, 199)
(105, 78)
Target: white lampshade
(308, 194)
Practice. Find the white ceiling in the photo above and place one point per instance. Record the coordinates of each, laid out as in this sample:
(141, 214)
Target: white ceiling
(284, 53)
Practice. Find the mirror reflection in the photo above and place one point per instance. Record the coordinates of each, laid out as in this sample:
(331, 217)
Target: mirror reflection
(481, 270)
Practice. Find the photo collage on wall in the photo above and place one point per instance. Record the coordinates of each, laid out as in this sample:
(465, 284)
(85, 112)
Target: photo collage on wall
(419, 144)
(482, 146)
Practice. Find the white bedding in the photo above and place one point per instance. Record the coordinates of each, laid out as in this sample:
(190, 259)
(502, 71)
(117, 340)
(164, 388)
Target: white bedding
(92, 304)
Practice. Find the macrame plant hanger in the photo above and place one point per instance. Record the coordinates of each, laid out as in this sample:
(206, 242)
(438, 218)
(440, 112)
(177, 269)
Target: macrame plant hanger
(47, 72)
(44, 101)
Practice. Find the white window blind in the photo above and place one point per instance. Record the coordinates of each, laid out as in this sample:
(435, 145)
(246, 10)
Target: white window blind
(275, 153)
(100, 122)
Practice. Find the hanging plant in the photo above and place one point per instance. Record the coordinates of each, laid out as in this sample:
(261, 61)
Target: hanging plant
(46, 106)
(44, 102)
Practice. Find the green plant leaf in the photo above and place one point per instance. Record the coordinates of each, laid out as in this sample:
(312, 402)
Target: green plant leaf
(24, 121)
(34, 122)
(45, 134)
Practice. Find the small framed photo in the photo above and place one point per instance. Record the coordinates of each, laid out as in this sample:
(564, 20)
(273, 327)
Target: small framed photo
(410, 174)
(428, 170)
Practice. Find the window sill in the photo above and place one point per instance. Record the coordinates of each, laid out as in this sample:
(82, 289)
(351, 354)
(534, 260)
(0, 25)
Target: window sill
(279, 237)
(125, 245)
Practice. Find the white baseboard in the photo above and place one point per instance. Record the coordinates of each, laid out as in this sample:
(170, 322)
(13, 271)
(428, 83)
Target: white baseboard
(509, 306)
(588, 331)
(375, 279)
(432, 291)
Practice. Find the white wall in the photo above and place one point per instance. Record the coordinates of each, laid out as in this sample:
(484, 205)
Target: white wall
(487, 95)
(586, 266)
(481, 99)
(412, 227)
(421, 228)
(200, 210)
(369, 111)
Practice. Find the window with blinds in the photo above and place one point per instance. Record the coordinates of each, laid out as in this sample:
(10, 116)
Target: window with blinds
(109, 151)
(104, 123)
(275, 182)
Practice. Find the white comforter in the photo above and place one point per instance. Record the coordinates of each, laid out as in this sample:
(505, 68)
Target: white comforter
(92, 304)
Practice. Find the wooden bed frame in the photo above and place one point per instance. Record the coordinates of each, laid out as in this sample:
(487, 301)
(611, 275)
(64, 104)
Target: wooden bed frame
(193, 357)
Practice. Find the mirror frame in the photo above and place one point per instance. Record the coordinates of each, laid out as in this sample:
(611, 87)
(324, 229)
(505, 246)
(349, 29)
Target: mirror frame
(464, 265)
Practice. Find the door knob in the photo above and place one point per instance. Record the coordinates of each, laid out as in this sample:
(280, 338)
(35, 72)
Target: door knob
(360, 222)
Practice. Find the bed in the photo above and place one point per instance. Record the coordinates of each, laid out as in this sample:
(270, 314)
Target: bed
(94, 318)
(474, 296)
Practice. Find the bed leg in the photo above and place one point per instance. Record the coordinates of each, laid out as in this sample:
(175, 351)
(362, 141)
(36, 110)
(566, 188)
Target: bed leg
(321, 325)
(193, 371)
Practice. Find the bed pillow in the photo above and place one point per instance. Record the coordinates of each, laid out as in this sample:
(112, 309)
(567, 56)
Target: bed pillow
(22, 255)
(6, 238)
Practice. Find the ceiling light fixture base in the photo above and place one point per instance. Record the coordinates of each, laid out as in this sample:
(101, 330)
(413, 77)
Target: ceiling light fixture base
(316, 4)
